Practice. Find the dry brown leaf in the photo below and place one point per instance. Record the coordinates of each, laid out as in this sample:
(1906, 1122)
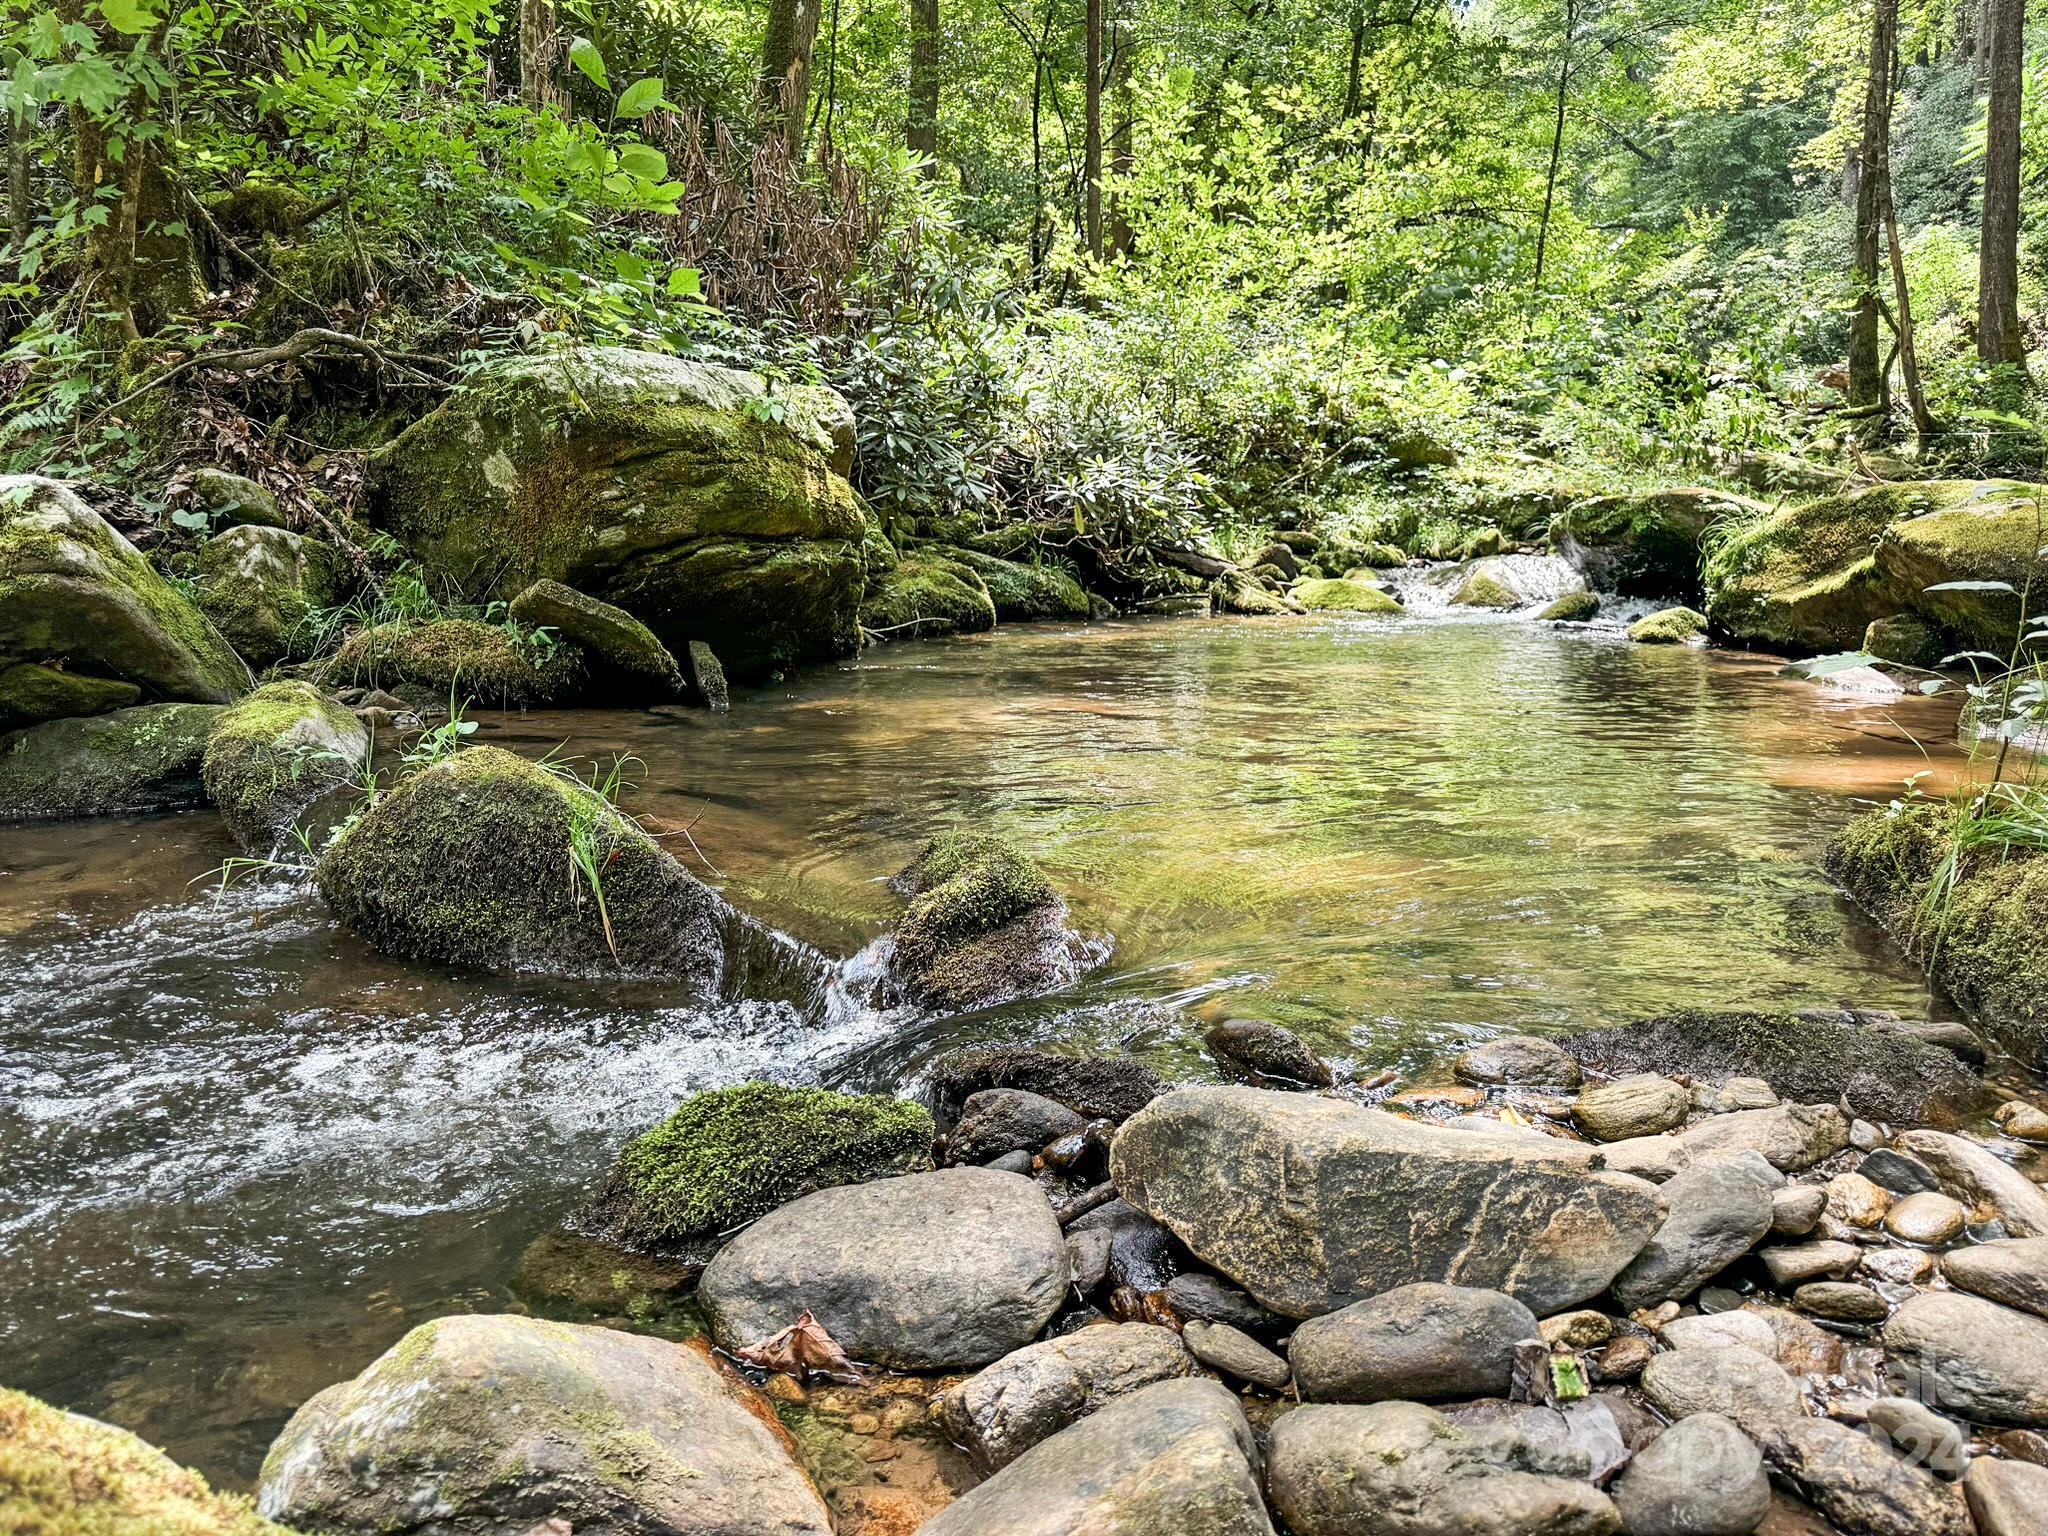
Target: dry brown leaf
(803, 1346)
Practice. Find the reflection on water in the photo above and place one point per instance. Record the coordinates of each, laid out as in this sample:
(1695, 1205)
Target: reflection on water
(240, 1153)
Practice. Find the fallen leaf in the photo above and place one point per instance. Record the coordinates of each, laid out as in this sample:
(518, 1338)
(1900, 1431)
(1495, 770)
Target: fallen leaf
(803, 1346)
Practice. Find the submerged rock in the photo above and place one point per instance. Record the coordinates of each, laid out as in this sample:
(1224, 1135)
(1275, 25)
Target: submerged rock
(627, 662)
(1258, 1051)
(732, 1155)
(125, 763)
(984, 925)
(462, 660)
(648, 481)
(261, 586)
(486, 1426)
(926, 594)
(1311, 1203)
(73, 589)
(273, 754)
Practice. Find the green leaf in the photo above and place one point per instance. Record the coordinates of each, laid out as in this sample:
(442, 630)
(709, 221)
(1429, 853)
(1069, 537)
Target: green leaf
(584, 55)
(685, 283)
(639, 98)
(132, 18)
(643, 161)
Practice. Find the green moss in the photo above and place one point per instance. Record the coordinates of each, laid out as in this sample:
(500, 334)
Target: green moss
(1339, 595)
(732, 1155)
(231, 499)
(484, 662)
(260, 585)
(126, 762)
(274, 753)
(1022, 592)
(1479, 590)
(611, 638)
(762, 605)
(1483, 542)
(1668, 626)
(1985, 531)
(31, 693)
(928, 594)
(970, 929)
(1238, 591)
(64, 1475)
(1572, 608)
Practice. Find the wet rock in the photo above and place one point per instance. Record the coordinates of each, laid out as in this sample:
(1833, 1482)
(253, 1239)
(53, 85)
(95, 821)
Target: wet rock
(1720, 1329)
(1577, 1330)
(1572, 608)
(1701, 1477)
(704, 677)
(1976, 1175)
(2012, 1271)
(1415, 1341)
(128, 762)
(1013, 1162)
(1899, 1172)
(2023, 1122)
(983, 926)
(1236, 1353)
(1669, 626)
(731, 1155)
(1897, 1266)
(1341, 595)
(1857, 1482)
(1841, 1301)
(1790, 1137)
(1093, 1087)
(1522, 1060)
(583, 1279)
(1642, 1105)
(1730, 1380)
(1310, 1203)
(1973, 1356)
(1404, 1470)
(1719, 1211)
(1624, 1359)
(1856, 1202)
(1259, 1052)
(1918, 1434)
(1175, 1459)
(2007, 1498)
(1087, 1252)
(1239, 592)
(262, 588)
(1209, 1299)
(1607, 1428)
(1002, 1411)
(1927, 1219)
(1143, 1254)
(1656, 1158)
(273, 754)
(481, 1426)
(1798, 1263)
(1796, 1209)
(999, 1120)
(627, 663)
(1802, 1347)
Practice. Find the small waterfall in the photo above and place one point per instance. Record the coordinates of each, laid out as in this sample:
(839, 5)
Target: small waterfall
(1535, 580)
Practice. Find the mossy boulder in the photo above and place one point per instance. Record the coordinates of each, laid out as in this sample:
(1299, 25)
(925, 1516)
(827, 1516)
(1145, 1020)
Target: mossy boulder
(732, 1155)
(490, 664)
(1022, 592)
(692, 496)
(1973, 531)
(928, 594)
(1668, 626)
(260, 585)
(473, 862)
(31, 693)
(1647, 543)
(62, 1474)
(1482, 542)
(73, 589)
(229, 499)
(1346, 551)
(125, 763)
(1481, 588)
(488, 1426)
(1982, 944)
(1338, 595)
(626, 661)
(1572, 608)
(271, 755)
(984, 925)
(1238, 591)
(1904, 639)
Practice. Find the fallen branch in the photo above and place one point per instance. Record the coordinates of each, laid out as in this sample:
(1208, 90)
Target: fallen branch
(306, 343)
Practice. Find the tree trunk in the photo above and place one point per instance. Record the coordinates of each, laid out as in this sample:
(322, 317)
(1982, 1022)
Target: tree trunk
(1122, 154)
(1564, 78)
(1998, 244)
(1909, 359)
(20, 219)
(1866, 367)
(538, 88)
(921, 131)
(783, 92)
(1091, 170)
(1354, 71)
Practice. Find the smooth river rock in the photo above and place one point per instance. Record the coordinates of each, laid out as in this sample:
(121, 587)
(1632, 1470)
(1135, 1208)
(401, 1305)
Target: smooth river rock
(932, 1271)
(1176, 1459)
(1522, 1060)
(1976, 1175)
(1790, 1137)
(1701, 1477)
(488, 1426)
(1643, 1105)
(1719, 1211)
(1416, 1341)
(1311, 1204)
(1237, 1354)
(999, 1120)
(2007, 1498)
(1731, 1380)
(2012, 1271)
(1857, 1481)
(1973, 1357)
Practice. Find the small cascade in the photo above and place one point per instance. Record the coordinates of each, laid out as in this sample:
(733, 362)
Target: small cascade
(1535, 580)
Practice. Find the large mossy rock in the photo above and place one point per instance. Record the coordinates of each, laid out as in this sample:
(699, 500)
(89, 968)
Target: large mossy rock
(65, 1475)
(73, 589)
(1337, 594)
(493, 1426)
(1982, 944)
(925, 594)
(126, 763)
(32, 692)
(1023, 592)
(984, 925)
(732, 1155)
(626, 661)
(685, 493)
(463, 660)
(1814, 578)
(1647, 543)
(260, 586)
(469, 863)
(274, 753)
(1311, 1204)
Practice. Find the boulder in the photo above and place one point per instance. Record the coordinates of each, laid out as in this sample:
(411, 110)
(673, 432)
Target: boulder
(62, 1473)
(1730, 1380)
(1023, 592)
(1415, 1341)
(1978, 1176)
(731, 1155)
(2012, 1272)
(72, 589)
(1175, 1459)
(1521, 1060)
(1858, 1483)
(2007, 1498)
(1701, 1477)
(485, 1426)
(1236, 1354)
(1572, 608)
(1719, 1211)
(273, 754)
(1669, 626)
(1973, 1357)
(1337, 594)
(999, 1120)
(461, 661)
(1482, 586)
(1311, 1204)
(468, 862)
(1882, 1073)
(983, 926)
(261, 587)
(932, 1271)
(1005, 1409)
(1656, 1158)
(126, 763)
(1642, 1105)
(927, 594)
(1400, 1469)
(1790, 1137)
(1093, 1087)
(668, 487)
(1645, 543)
(627, 663)
(1258, 1052)
(1239, 592)
(31, 693)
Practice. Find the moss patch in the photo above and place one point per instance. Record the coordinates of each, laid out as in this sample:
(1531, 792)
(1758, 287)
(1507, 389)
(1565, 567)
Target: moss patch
(1572, 608)
(983, 924)
(1022, 592)
(123, 763)
(1479, 590)
(259, 585)
(1338, 595)
(273, 754)
(928, 594)
(1238, 591)
(462, 657)
(31, 693)
(618, 646)
(1668, 626)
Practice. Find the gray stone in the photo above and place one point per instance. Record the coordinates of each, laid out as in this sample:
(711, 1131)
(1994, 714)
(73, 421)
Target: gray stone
(704, 677)
(1858, 1483)
(1002, 1411)
(2012, 1271)
(1643, 1105)
(1920, 1435)
(1176, 1459)
(1258, 1052)
(1899, 1172)
(1841, 1301)
(1607, 1428)
(1976, 1175)
(1236, 1353)
(1094, 1087)
(1524, 1060)
(1311, 1203)
(1928, 1219)
(1701, 1477)
(1416, 1341)
(1801, 1262)
(1973, 1356)
(1656, 1158)
(1864, 1136)
(2007, 1498)
(1013, 1162)
(1730, 1380)
(1720, 1330)
(484, 1426)
(1087, 1257)
(1790, 1137)
(932, 1271)
(1205, 1297)
(1400, 1469)
(261, 587)
(999, 1120)
(1719, 1211)
(1795, 1209)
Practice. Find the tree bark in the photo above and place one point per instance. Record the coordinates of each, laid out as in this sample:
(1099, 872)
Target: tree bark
(1998, 243)
(1091, 170)
(1122, 154)
(783, 92)
(1866, 366)
(1909, 359)
(538, 87)
(20, 218)
(1564, 77)
(921, 131)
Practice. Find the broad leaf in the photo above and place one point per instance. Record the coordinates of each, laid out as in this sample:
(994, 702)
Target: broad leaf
(584, 55)
(639, 98)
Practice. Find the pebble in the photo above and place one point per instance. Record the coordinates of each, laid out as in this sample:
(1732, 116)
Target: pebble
(1801, 1262)
(1864, 1136)
(1919, 1434)
(1643, 1105)
(1856, 1201)
(1927, 1219)
(1236, 1353)
(1796, 1209)
(1624, 1359)
(1840, 1301)
(2022, 1121)
(1898, 1266)
(1577, 1330)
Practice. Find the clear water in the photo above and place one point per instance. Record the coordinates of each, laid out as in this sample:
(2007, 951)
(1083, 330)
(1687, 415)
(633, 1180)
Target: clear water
(240, 1153)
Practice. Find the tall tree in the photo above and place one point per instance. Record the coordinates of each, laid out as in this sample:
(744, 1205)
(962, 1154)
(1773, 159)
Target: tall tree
(921, 130)
(1564, 80)
(1091, 153)
(1866, 364)
(784, 88)
(1998, 244)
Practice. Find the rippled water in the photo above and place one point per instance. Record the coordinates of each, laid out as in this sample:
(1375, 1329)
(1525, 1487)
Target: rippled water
(240, 1153)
